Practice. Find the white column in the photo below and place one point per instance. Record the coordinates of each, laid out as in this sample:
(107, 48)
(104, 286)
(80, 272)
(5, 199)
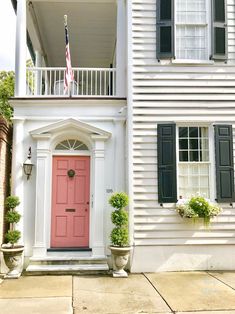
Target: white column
(121, 54)
(42, 205)
(97, 229)
(18, 155)
(38, 64)
(119, 158)
(20, 49)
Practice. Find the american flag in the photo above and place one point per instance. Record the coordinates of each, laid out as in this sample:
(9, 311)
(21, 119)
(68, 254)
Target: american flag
(69, 72)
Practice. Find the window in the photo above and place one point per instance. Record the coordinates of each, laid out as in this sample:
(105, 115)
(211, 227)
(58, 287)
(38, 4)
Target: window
(71, 145)
(193, 161)
(191, 29)
(188, 169)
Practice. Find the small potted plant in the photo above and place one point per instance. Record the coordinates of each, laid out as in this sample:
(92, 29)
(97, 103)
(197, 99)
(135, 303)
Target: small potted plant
(198, 207)
(12, 253)
(119, 236)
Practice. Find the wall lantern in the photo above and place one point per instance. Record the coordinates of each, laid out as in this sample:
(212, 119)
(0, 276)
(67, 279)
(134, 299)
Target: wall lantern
(27, 165)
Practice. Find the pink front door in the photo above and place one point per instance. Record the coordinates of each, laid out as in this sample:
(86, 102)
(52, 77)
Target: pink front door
(70, 202)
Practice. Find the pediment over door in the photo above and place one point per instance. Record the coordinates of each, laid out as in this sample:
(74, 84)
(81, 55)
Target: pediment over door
(70, 123)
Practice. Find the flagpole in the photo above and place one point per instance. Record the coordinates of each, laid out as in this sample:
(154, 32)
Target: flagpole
(66, 30)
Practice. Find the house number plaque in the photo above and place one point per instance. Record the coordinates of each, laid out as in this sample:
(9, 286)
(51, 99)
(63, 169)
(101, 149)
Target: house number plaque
(71, 173)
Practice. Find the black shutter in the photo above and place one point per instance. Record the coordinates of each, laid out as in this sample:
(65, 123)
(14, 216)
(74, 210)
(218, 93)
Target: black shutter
(165, 29)
(166, 140)
(224, 163)
(219, 38)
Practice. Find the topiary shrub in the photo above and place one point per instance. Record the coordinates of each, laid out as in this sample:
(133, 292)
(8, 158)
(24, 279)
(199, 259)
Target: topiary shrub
(12, 202)
(119, 235)
(12, 236)
(119, 200)
(12, 217)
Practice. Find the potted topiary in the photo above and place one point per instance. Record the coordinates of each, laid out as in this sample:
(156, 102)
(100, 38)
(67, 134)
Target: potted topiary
(119, 236)
(12, 253)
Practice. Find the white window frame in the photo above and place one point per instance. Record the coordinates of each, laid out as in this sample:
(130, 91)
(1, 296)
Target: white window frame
(212, 176)
(208, 39)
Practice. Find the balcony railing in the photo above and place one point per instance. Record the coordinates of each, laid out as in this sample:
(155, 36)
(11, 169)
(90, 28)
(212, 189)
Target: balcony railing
(92, 82)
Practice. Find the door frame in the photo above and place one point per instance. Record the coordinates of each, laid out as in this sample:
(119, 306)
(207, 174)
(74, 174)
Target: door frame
(73, 154)
(45, 148)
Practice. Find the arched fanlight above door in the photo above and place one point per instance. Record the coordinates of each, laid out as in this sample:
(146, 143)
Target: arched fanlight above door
(71, 145)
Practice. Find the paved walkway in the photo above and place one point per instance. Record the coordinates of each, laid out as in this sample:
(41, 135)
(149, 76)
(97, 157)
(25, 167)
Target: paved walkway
(181, 292)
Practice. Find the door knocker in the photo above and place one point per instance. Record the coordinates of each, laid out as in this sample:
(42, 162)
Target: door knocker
(71, 173)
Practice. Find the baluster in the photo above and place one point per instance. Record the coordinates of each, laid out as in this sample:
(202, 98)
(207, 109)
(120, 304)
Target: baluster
(87, 82)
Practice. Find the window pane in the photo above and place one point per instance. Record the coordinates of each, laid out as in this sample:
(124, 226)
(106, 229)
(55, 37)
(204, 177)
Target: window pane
(219, 11)
(193, 144)
(204, 155)
(204, 143)
(219, 40)
(61, 147)
(203, 132)
(183, 144)
(193, 132)
(71, 143)
(183, 156)
(183, 132)
(194, 156)
(165, 39)
(165, 9)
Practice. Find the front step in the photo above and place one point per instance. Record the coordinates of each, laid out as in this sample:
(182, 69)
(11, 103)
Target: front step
(67, 265)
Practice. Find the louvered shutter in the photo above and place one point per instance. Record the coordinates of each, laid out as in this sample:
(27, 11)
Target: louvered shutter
(219, 33)
(166, 139)
(165, 29)
(224, 163)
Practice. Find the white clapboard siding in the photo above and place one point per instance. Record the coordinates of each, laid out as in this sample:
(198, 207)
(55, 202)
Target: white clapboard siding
(164, 91)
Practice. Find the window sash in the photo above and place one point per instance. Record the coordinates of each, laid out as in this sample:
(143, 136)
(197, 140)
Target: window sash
(191, 30)
(194, 176)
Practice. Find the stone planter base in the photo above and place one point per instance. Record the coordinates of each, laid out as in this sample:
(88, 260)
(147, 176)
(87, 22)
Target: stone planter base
(120, 256)
(13, 260)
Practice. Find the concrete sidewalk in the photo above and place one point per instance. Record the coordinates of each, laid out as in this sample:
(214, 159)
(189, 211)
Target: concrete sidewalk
(172, 292)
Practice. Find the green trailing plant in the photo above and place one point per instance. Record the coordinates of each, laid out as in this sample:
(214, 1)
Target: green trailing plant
(119, 235)
(198, 207)
(12, 217)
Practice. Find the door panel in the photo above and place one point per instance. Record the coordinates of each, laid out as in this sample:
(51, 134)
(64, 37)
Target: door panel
(70, 202)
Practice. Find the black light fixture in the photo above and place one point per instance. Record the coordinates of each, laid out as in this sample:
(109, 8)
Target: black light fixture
(28, 166)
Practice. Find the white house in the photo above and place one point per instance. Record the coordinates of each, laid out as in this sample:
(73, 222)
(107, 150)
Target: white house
(181, 89)
(151, 112)
(66, 218)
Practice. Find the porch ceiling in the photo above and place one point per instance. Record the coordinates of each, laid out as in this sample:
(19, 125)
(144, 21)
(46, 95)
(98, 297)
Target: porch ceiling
(92, 32)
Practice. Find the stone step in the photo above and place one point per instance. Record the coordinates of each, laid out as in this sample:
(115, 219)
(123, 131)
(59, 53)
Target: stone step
(49, 260)
(67, 269)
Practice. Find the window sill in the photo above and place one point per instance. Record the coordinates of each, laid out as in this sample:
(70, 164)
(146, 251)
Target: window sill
(188, 61)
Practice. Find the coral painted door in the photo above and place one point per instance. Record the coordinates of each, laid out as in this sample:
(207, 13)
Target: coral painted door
(70, 202)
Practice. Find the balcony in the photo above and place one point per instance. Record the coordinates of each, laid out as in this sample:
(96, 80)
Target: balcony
(88, 82)
(97, 39)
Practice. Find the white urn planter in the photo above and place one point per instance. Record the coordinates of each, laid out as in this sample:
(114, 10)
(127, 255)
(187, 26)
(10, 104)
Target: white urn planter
(120, 257)
(13, 258)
